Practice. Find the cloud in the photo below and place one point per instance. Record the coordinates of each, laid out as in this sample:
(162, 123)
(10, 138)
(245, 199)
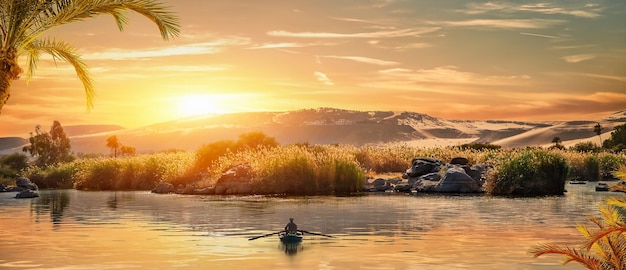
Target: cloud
(511, 23)
(537, 35)
(547, 8)
(321, 77)
(411, 32)
(587, 11)
(578, 58)
(448, 75)
(187, 49)
(366, 60)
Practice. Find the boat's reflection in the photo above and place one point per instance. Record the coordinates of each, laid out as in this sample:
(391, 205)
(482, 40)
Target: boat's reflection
(291, 249)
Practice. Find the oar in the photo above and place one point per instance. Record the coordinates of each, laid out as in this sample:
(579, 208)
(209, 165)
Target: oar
(320, 234)
(269, 234)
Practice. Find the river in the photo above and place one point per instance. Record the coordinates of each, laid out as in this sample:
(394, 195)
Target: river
(69, 229)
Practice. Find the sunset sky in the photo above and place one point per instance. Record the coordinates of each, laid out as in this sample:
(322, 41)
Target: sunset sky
(510, 60)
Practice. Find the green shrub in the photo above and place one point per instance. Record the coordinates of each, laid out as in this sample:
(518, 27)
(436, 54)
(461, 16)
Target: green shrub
(529, 172)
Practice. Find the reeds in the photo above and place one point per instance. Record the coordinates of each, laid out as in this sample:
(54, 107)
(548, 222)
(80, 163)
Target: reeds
(325, 169)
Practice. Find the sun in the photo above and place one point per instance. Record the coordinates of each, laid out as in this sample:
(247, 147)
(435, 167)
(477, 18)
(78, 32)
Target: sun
(193, 105)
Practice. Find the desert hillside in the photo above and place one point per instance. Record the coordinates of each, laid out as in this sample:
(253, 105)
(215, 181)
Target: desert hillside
(330, 126)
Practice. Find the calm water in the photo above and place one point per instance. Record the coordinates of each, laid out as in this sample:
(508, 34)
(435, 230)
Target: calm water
(68, 229)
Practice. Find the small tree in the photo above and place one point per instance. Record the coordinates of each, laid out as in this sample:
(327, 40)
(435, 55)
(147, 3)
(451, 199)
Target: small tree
(617, 142)
(253, 140)
(598, 130)
(126, 150)
(49, 148)
(557, 143)
(114, 144)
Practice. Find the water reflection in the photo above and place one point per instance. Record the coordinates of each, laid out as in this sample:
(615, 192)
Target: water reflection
(52, 203)
(115, 199)
(291, 249)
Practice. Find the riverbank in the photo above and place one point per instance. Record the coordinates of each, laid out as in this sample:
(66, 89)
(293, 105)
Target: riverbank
(331, 169)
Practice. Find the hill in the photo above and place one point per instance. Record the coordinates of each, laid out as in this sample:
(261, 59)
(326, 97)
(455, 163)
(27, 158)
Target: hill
(330, 126)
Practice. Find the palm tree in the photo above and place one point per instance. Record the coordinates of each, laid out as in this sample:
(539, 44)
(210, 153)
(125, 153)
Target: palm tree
(598, 130)
(114, 144)
(23, 23)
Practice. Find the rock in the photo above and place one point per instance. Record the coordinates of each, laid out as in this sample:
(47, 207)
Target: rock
(421, 166)
(456, 180)
(26, 194)
(24, 183)
(431, 177)
(163, 188)
(459, 161)
(3, 188)
(236, 180)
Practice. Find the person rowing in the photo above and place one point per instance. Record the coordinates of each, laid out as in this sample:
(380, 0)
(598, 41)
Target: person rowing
(291, 227)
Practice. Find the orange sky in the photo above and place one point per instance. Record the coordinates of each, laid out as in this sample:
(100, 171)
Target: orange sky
(514, 60)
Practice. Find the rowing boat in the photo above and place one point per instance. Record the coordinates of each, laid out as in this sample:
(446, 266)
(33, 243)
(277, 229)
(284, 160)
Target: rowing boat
(286, 237)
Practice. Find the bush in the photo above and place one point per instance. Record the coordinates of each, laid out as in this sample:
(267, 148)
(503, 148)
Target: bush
(585, 147)
(529, 172)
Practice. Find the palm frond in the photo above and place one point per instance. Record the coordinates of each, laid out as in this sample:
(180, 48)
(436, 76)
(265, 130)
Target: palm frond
(571, 255)
(78, 10)
(64, 51)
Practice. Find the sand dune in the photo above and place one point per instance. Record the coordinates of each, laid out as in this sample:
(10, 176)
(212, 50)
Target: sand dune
(336, 126)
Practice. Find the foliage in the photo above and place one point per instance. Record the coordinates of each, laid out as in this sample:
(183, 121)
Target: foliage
(557, 144)
(207, 154)
(126, 150)
(50, 148)
(11, 165)
(24, 25)
(478, 146)
(617, 142)
(603, 247)
(59, 176)
(327, 169)
(253, 140)
(584, 166)
(529, 172)
(131, 173)
(114, 144)
(585, 147)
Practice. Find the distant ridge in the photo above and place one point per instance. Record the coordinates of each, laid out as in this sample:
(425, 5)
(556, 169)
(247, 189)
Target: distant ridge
(338, 126)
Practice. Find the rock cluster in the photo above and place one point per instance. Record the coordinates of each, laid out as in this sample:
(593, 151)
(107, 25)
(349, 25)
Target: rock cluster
(233, 181)
(24, 188)
(432, 175)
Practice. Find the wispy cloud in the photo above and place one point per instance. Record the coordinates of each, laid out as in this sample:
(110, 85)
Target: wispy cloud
(571, 47)
(578, 58)
(537, 35)
(448, 75)
(586, 11)
(187, 49)
(321, 77)
(510, 23)
(411, 32)
(366, 60)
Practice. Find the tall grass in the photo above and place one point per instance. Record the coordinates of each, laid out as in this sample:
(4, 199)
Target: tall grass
(324, 169)
(529, 172)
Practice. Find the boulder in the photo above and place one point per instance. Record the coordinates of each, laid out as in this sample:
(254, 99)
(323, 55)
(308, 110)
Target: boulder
(421, 166)
(235, 180)
(459, 161)
(381, 184)
(456, 180)
(26, 194)
(163, 188)
(24, 183)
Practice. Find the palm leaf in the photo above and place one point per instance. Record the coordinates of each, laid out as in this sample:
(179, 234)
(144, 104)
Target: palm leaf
(64, 51)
